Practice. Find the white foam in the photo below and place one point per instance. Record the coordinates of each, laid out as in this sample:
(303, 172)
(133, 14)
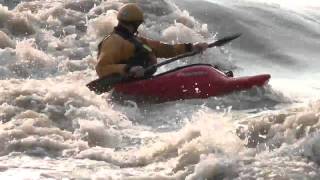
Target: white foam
(5, 41)
(181, 33)
(102, 25)
(212, 166)
(46, 110)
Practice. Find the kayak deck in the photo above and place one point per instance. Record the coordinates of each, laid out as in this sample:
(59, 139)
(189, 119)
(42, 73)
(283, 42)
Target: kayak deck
(189, 82)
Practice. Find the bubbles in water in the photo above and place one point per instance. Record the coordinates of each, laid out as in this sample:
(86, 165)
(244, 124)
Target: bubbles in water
(48, 54)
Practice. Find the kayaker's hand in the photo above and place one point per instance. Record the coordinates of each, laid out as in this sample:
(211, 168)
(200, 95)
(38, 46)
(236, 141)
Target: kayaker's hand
(136, 71)
(152, 59)
(200, 47)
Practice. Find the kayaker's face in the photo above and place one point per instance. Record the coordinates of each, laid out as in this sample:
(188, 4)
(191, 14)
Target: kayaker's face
(135, 26)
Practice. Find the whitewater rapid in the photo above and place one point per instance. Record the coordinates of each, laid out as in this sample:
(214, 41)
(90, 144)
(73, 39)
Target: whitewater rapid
(53, 127)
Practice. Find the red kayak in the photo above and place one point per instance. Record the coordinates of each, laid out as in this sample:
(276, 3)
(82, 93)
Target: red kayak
(189, 82)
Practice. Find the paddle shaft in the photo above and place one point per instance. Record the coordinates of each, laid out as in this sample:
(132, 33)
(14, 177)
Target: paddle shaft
(219, 42)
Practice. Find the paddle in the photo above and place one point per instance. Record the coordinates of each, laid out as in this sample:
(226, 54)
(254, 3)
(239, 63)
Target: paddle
(105, 84)
(217, 43)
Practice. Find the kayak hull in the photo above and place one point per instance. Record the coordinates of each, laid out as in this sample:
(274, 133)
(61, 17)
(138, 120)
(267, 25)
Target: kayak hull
(189, 82)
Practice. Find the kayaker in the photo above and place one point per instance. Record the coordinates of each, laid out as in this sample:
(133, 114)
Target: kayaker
(126, 53)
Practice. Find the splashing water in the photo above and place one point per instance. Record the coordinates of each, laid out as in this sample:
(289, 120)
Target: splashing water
(53, 127)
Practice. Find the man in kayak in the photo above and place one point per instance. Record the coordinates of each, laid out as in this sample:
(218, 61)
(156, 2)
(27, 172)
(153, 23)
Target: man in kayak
(124, 52)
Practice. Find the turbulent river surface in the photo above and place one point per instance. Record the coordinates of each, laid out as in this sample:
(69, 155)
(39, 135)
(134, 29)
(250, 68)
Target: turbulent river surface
(53, 127)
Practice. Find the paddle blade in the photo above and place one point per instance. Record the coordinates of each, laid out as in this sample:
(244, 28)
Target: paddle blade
(224, 40)
(105, 84)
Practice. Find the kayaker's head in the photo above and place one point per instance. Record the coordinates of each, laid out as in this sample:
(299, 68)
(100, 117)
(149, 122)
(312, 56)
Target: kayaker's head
(130, 16)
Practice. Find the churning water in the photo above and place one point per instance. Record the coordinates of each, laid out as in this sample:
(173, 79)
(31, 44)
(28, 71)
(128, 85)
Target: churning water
(53, 127)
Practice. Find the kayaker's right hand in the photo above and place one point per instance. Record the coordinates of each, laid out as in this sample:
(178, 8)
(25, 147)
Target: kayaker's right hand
(136, 71)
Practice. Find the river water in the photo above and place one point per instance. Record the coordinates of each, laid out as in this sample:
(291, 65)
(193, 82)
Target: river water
(53, 127)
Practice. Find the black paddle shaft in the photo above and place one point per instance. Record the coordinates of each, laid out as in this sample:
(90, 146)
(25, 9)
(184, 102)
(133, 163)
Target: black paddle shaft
(105, 84)
(218, 43)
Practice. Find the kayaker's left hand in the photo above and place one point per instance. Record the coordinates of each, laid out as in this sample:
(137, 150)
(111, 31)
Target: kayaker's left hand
(136, 71)
(199, 47)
